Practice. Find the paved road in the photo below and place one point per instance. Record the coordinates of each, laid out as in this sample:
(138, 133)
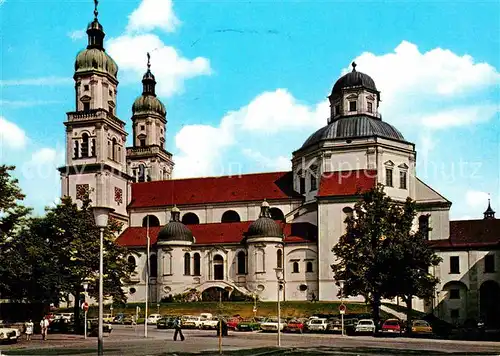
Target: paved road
(127, 340)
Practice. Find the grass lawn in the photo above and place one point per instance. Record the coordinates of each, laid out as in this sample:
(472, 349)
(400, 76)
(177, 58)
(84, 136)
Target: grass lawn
(402, 309)
(288, 309)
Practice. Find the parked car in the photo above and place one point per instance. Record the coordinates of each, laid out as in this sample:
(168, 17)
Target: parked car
(272, 324)
(165, 322)
(350, 325)
(118, 318)
(107, 318)
(208, 322)
(248, 325)
(191, 322)
(421, 327)
(334, 325)
(392, 326)
(365, 326)
(9, 335)
(153, 318)
(93, 327)
(233, 322)
(317, 324)
(295, 325)
(128, 320)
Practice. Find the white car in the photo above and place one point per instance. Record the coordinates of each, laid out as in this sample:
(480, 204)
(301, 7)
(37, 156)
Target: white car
(271, 324)
(365, 326)
(191, 322)
(317, 324)
(9, 334)
(153, 318)
(207, 321)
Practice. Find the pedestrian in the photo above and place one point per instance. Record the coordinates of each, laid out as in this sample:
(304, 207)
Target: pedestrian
(44, 325)
(178, 329)
(29, 329)
(313, 297)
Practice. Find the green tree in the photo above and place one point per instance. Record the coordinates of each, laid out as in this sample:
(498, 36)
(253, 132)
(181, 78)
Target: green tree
(361, 258)
(411, 258)
(13, 216)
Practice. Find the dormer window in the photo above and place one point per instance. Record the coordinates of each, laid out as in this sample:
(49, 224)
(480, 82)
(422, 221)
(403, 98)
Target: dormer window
(370, 107)
(352, 106)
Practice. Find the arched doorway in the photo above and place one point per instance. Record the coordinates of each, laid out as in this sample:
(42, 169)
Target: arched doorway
(218, 268)
(214, 294)
(489, 308)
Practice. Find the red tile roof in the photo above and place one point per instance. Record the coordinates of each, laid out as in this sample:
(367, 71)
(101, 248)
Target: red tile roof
(247, 187)
(346, 182)
(471, 234)
(216, 233)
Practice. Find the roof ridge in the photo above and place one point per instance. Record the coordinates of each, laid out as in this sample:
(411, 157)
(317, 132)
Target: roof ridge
(214, 177)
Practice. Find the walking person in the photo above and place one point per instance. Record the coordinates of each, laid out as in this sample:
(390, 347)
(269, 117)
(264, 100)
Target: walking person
(178, 329)
(44, 325)
(29, 329)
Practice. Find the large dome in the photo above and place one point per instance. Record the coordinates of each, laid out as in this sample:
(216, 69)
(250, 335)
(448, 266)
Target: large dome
(354, 127)
(95, 59)
(264, 226)
(148, 104)
(175, 230)
(353, 79)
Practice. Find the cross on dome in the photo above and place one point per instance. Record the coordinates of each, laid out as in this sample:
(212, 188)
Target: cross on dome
(96, 2)
(354, 66)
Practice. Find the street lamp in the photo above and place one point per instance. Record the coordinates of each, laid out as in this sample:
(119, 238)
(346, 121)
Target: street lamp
(342, 310)
(101, 215)
(85, 285)
(280, 280)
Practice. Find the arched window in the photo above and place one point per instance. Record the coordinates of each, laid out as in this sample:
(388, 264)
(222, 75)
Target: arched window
(279, 258)
(92, 148)
(423, 225)
(76, 149)
(309, 267)
(197, 264)
(295, 267)
(259, 261)
(153, 266)
(167, 264)
(241, 262)
(302, 182)
(277, 214)
(153, 221)
(190, 219)
(85, 145)
(131, 261)
(187, 264)
(114, 152)
(218, 267)
(141, 176)
(230, 216)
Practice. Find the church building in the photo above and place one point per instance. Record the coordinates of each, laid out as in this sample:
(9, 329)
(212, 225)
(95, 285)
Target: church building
(230, 233)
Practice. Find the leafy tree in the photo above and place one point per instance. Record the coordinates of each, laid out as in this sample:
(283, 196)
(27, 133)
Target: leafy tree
(361, 257)
(411, 258)
(12, 217)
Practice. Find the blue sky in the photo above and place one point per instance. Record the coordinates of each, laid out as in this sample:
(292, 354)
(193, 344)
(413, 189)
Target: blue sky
(245, 83)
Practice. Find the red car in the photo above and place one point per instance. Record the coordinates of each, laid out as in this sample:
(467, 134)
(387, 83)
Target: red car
(295, 325)
(233, 322)
(392, 326)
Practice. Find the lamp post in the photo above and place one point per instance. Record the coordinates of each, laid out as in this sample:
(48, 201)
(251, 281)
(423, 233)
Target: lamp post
(147, 279)
(101, 215)
(280, 282)
(85, 287)
(341, 285)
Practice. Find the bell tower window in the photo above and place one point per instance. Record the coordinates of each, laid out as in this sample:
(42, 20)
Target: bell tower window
(142, 142)
(85, 145)
(337, 109)
(352, 106)
(370, 107)
(86, 106)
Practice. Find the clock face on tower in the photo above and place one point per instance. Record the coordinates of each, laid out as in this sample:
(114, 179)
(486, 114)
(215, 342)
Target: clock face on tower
(82, 190)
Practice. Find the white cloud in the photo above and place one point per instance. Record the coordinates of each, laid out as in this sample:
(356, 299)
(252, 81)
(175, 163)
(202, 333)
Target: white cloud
(424, 87)
(45, 81)
(476, 200)
(153, 14)
(76, 35)
(11, 135)
(169, 67)
(459, 116)
(280, 163)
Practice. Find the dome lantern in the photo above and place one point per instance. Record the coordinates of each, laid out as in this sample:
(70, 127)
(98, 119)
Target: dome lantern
(95, 31)
(175, 231)
(147, 103)
(264, 226)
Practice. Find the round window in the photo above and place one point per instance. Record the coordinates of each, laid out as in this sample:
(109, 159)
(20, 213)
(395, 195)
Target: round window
(167, 289)
(260, 287)
(303, 287)
(132, 290)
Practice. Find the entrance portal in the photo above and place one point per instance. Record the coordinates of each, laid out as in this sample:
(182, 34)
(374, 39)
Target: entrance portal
(489, 294)
(214, 294)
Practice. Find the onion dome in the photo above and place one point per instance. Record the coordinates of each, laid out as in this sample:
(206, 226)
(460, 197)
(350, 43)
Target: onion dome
(489, 213)
(175, 231)
(148, 103)
(357, 126)
(94, 57)
(354, 79)
(264, 226)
